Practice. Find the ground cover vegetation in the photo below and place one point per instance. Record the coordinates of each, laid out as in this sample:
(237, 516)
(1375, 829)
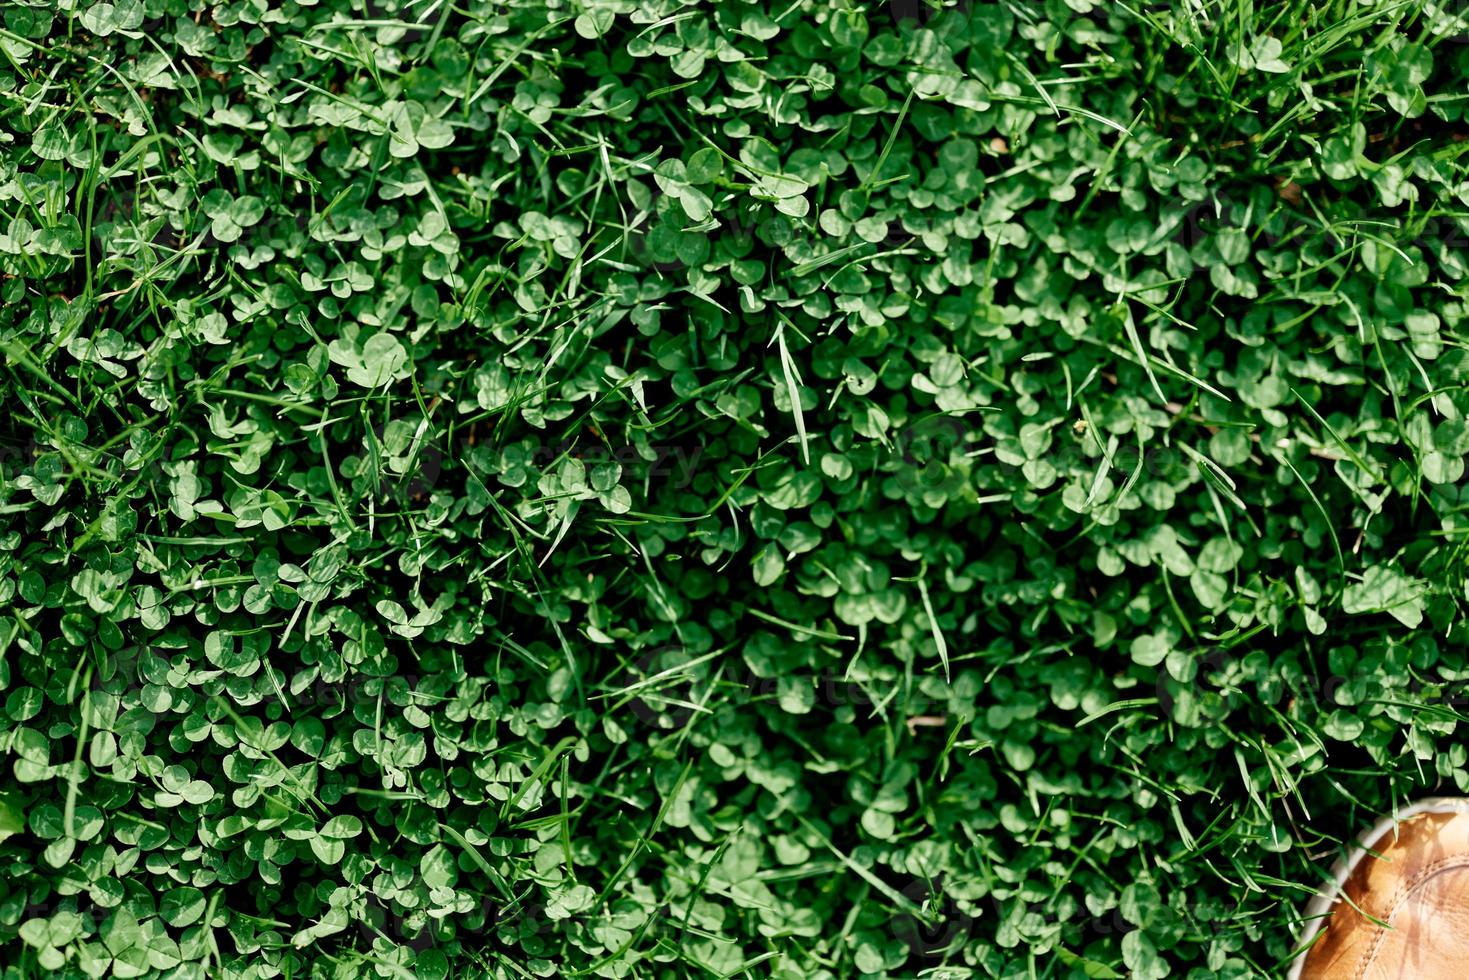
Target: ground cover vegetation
(716, 489)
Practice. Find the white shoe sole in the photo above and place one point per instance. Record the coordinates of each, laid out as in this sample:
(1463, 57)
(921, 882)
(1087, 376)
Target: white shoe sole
(1314, 919)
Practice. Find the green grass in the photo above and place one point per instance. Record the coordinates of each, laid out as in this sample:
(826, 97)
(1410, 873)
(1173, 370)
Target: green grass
(714, 490)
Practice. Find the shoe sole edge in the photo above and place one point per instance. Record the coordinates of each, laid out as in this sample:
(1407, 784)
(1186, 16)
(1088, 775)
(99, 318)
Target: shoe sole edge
(1315, 916)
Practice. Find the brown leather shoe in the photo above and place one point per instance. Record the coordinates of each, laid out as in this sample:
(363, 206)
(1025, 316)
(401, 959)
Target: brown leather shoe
(1398, 908)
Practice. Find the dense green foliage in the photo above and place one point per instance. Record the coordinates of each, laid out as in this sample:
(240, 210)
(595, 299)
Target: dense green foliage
(710, 489)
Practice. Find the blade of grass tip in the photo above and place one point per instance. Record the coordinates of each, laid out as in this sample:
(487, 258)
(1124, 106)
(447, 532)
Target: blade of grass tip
(9, 639)
(208, 927)
(274, 681)
(868, 258)
(1341, 560)
(479, 860)
(1114, 707)
(1099, 181)
(1137, 345)
(538, 584)
(1137, 471)
(539, 772)
(700, 886)
(1244, 773)
(793, 391)
(1215, 474)
(571, 511)
(1064, 107)
(73, 776)
(1392, 389)
(745, 966)
(566, 818)
(806, 268)
(1035, 83)
(1357, 315)
(668, 673)
(1178, 613)
(797, 627)
(21, 355)
(888, 147)
(1427, 384)
(1197, 382)
(933, 622)
(657, 825)
(88, 188)
(301, 791)
(1103, 469)
(331, 479)
(888, 891)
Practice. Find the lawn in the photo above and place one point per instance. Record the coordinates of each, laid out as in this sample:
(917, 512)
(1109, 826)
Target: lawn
(709, 489)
